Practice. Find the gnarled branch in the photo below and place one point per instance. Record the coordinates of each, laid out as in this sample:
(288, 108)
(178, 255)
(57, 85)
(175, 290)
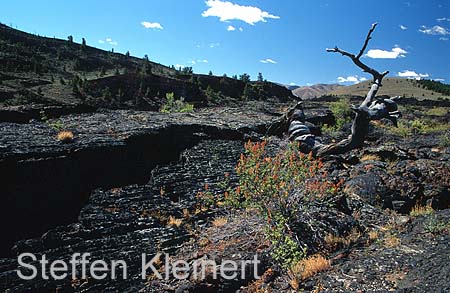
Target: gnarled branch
(370, 109)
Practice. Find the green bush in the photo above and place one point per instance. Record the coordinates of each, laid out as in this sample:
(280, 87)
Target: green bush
(173, 105)
(342, 112)
(417, 126)
(437, 111)
(279, 188)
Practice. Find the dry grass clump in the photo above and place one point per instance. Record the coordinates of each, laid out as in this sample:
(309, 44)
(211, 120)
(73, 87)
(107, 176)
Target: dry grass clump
(219, 222)
(419, 210)
(391, 240)
(370, 158)
(308, 267)
(174, 222)
(65, 136)
(334, 242)
(373, 235)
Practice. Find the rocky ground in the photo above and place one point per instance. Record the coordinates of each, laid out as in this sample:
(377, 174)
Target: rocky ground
(141, 172)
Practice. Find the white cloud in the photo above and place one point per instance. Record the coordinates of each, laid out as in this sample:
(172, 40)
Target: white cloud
(412, 74)
(443, 19)
(435, 30)
(443, 39)
(213, 45)
(231, 28)
(152, 25)
(193, 62)
(439, 79)
(352, 78)
(268, 60)
(402, 27)
(396, 52)
(292, 83)
(241, 29)
(108, 41)
(226, 10)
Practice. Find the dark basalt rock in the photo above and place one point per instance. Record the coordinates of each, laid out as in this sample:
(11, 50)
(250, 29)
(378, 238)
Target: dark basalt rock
(123, 223)
(110, 149)
(25, 113)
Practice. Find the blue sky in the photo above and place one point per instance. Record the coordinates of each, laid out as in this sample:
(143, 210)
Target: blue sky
(284, 39)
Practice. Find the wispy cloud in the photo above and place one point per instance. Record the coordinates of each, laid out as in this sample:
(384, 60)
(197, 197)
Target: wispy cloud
(193, 62)
(108, 41)
(443, 39)
(439, 79)
(213, 45)
(402, 27)
(435, 30)
(226, 10)
(151, 25)
(443, 19)
(412, 74)
(268, 60)
(231, 28)
(394, 53)
(352, 78)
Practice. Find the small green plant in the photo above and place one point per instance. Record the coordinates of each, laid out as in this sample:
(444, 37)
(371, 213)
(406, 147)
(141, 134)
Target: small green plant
(43, 116)
(173, 105)
(342, 112)
(435, 226)
(417, 126)
(437, 111)
(57, 125)
(444, 140)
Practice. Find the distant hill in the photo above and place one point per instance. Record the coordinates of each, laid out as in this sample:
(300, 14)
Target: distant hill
(395, 87)
(49, 71)
(292, 87)
(315, 91)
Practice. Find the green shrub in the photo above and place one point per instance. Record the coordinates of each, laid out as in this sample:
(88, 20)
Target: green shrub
(342, 112)
(173, 105)
(417, 126)
(279, 188)
(437, 111)
(444, 140)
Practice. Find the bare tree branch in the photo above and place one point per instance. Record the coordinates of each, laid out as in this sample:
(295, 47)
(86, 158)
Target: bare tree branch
(368, 38)
(377, 76)
(370, 109)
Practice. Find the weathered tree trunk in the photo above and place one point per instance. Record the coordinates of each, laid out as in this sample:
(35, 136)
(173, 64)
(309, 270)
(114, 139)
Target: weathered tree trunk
(370, 109)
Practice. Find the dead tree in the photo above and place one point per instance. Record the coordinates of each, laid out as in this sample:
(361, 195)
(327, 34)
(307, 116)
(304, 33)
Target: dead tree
(370, 109)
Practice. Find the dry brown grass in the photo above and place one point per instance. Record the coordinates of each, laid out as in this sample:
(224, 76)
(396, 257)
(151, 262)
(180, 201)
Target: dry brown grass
(186, 214)
(419, 210)
(65, 136)
(373, 235)
(391, 87)
(334, 242)
(257, 285)
(370, 158)
(391, 240)
(174, 222)
(219, 222)
(308, 267)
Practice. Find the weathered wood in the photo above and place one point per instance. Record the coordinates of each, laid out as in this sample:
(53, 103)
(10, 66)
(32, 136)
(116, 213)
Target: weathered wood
(369, 109)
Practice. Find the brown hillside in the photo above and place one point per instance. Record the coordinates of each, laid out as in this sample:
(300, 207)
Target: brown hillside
(391, 87)
(315, 91)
